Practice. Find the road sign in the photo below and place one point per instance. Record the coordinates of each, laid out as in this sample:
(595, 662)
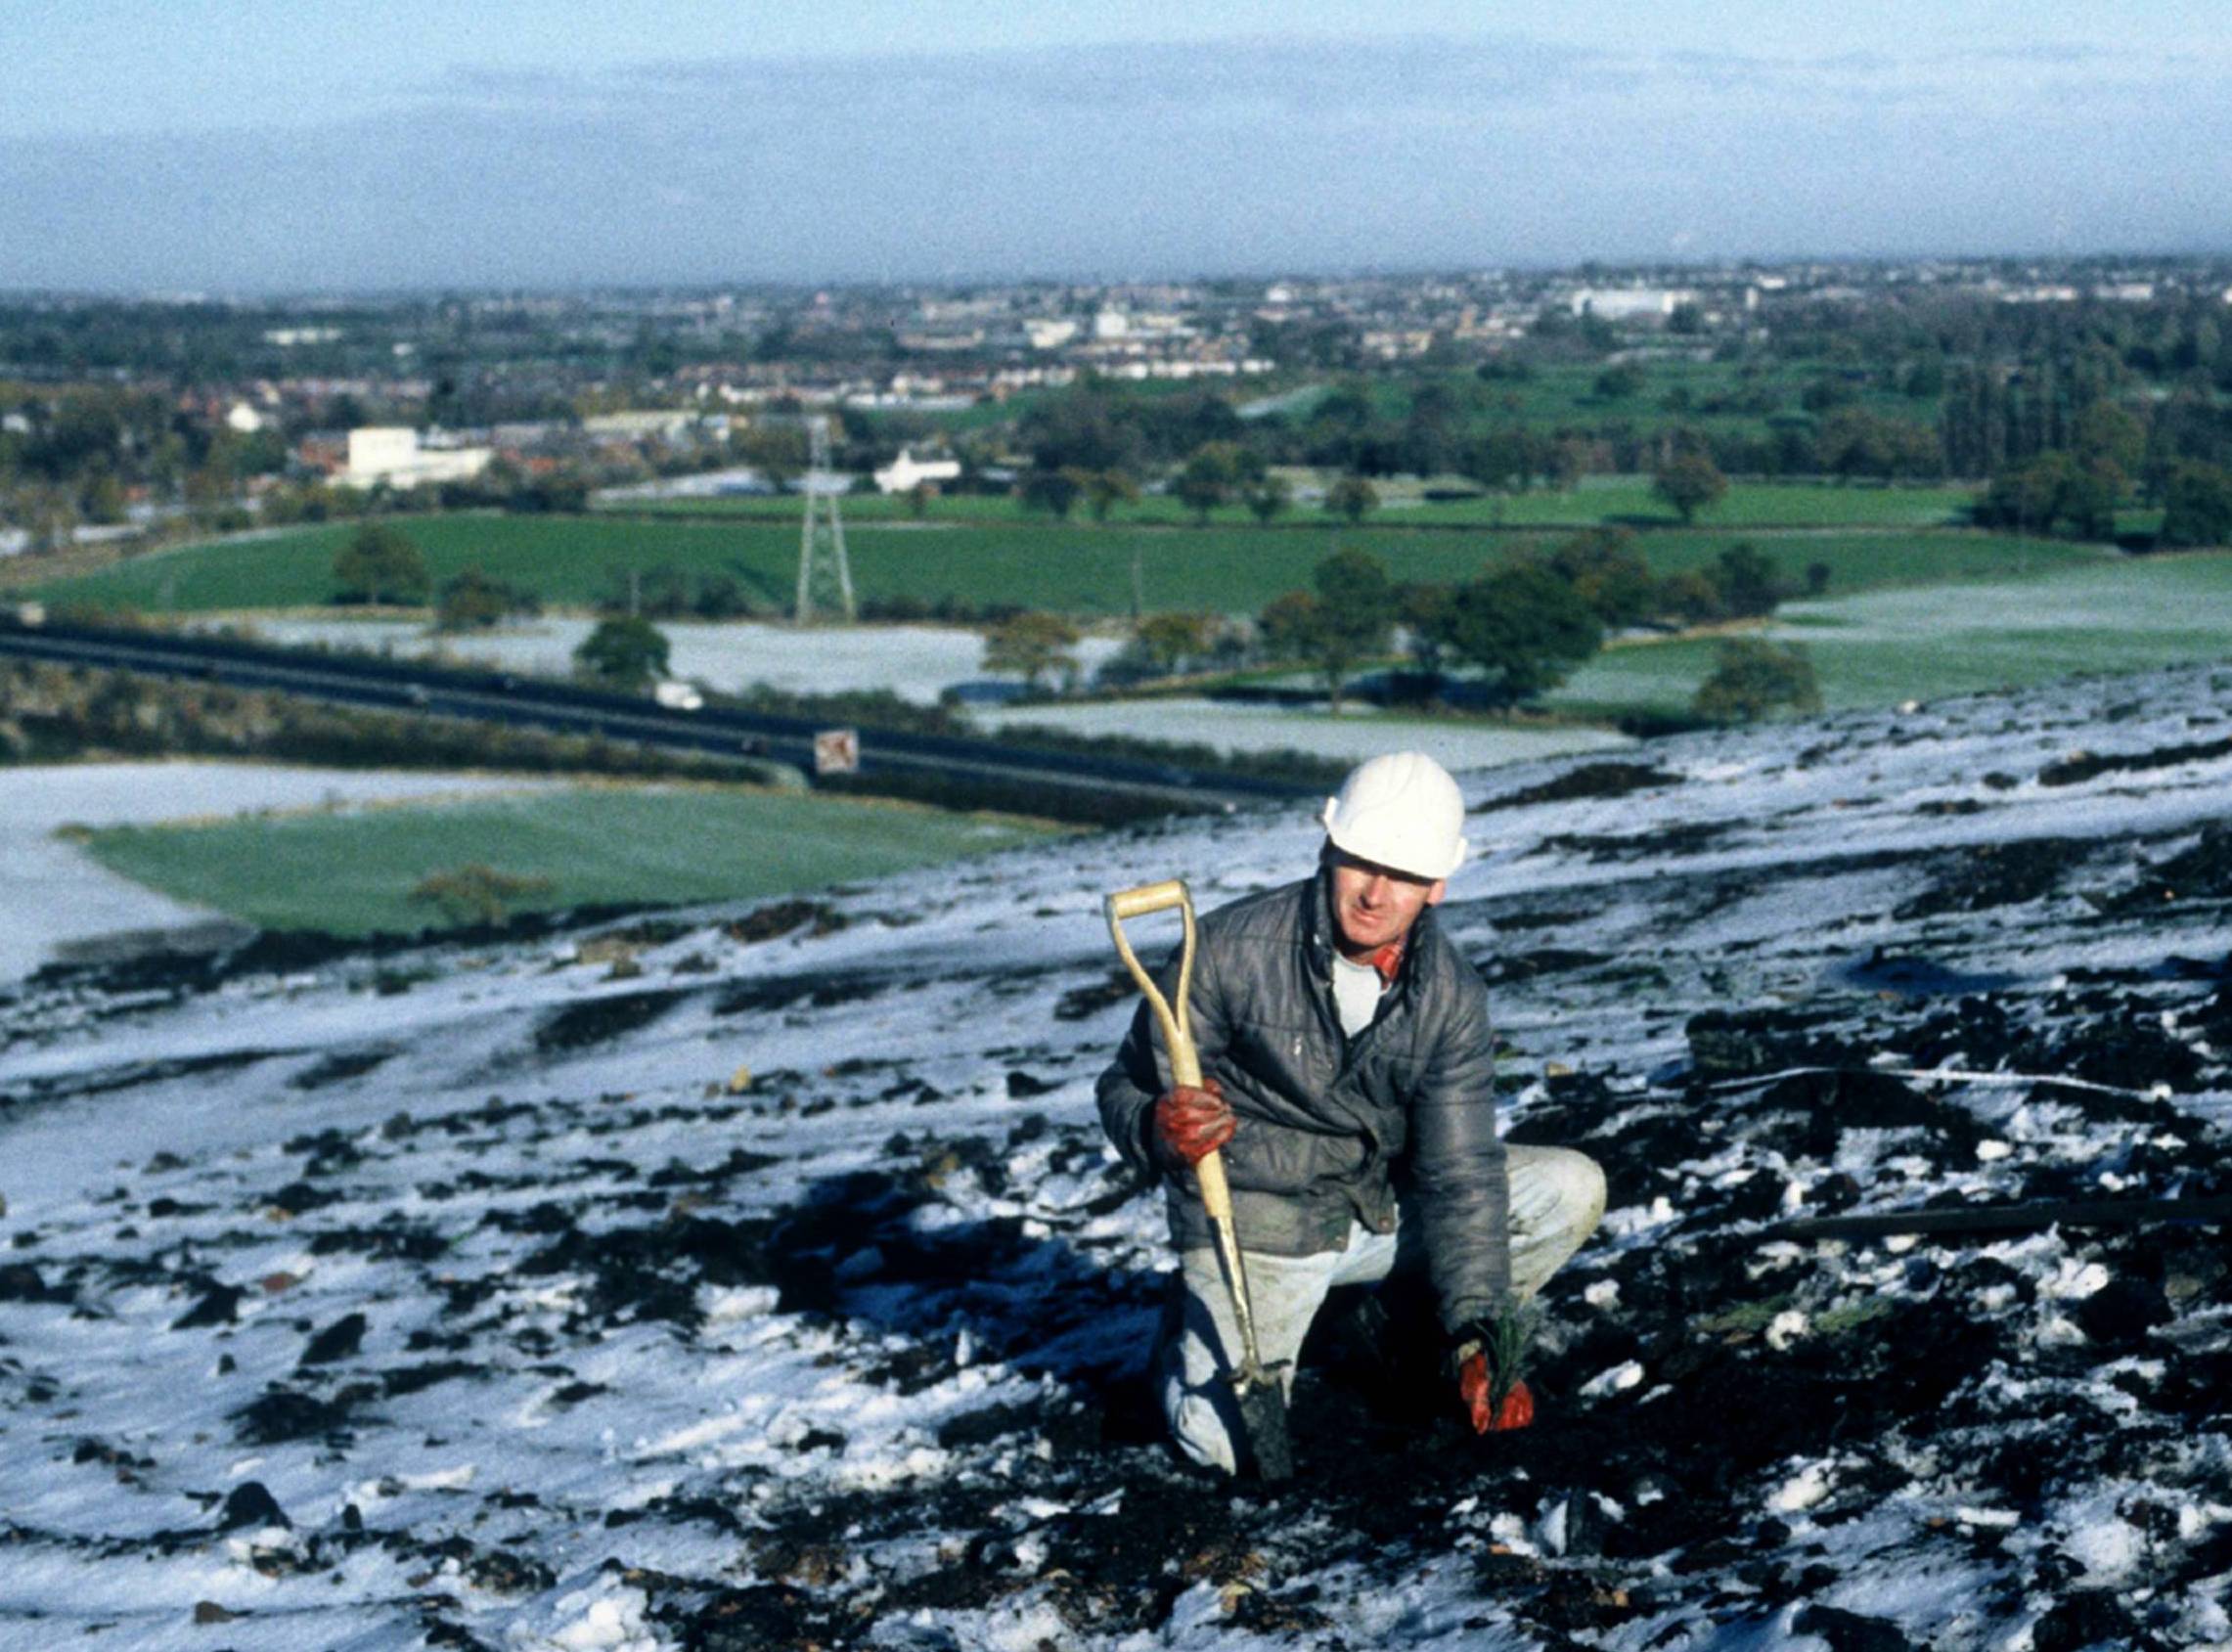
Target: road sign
(838, 751)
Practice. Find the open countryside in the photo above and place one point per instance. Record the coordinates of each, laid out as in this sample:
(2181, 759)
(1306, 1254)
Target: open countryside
(1965, 636)
(1554, 512)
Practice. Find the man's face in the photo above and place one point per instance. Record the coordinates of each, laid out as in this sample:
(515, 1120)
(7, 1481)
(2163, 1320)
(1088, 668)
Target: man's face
(1374, 904)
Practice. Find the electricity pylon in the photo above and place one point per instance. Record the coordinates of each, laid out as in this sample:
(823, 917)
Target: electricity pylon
(822, 564)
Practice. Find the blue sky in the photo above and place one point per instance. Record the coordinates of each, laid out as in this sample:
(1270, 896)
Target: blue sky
(250, 146)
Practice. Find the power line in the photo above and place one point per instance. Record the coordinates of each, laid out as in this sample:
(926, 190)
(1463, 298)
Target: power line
(822, 567)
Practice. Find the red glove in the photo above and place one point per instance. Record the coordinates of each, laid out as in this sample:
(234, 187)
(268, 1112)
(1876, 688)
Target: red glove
(1192, 1123)
(1516, 1412)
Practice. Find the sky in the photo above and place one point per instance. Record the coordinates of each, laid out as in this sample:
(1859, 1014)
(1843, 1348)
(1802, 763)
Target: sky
(251, 147)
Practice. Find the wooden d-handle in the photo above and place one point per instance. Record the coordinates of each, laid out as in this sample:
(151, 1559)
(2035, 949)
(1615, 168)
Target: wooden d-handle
(1176, 1023)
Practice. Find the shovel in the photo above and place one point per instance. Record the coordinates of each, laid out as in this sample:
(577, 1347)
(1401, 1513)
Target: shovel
(1258, 1388)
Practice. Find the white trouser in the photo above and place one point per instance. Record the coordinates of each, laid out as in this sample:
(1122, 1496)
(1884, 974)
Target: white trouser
(1557, 1199)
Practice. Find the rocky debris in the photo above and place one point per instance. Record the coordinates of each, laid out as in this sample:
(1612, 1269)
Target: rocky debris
(784, 918)
(1728, 1043)
(739, 1161)
(337, 1342)
(415, 1380)
(601, 1020)
(1851, 1632)
(1613, 848)
(2088, 1618)
(1586, 782)
(220, 1305)
(280, 1415)
(250, 1503)
(2202, 872)
(761, 1618)
(20, 1281)
(654, 1272)
(105, 1080)
(1503, 967)
(2082, 765)
(815, 989)
(341, 1066)
(1082, 1002)
(1997, 875)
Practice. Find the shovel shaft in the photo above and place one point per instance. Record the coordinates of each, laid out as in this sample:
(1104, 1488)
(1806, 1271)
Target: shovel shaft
(1215, 1191)
(1251, 1371)
(1186, 1069)
(1261, 1394)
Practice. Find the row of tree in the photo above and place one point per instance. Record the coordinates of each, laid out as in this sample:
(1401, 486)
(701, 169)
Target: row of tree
(1519, 629)
(2081, 492)
(1215, 474)
(1523, 627)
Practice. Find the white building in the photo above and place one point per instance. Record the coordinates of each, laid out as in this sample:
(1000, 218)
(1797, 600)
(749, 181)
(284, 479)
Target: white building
(1049, 333)
(391, 453)
(670, 425)
(244, 419)
(907, 473)
(1630, 304)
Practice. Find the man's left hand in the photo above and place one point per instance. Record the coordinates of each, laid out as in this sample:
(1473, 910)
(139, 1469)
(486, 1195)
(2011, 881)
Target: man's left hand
(1476, 1387)
(1489, 1357)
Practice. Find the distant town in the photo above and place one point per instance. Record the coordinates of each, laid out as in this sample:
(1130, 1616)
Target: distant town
(132, 418)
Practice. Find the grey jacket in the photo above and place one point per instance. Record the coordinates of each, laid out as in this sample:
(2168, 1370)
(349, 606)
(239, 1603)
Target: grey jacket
(1330, 1127)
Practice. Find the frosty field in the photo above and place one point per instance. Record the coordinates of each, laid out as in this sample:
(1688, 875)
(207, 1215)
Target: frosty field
(1881, 647)
(779, 1290)
(917, 662)
(56, 898)
(1357, 733)
(352, 873)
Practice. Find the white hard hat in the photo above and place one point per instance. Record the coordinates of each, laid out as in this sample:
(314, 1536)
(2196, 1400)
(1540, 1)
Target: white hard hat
(1400, 811)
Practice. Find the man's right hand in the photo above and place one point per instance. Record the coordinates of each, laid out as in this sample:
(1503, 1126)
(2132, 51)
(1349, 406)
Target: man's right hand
(1191, 1123)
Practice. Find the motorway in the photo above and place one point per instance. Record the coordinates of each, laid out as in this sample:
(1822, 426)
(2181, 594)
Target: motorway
(398, 686)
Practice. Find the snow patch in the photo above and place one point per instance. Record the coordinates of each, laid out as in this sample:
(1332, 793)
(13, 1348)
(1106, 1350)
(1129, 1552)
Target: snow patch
(1801, 1491)
(592, 1620)
(1617, 1380)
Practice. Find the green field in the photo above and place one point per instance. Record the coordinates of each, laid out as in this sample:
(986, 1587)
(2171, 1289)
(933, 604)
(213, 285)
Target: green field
(1076, 568)
(351, 872)
(1673, 393)
(1598, 500)
(1628, 500)
(1883, 647)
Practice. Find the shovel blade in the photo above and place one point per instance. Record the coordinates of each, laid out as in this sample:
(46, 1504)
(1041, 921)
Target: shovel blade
(1263, 1420)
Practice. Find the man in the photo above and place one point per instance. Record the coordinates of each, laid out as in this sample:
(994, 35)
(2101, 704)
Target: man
(1347, 1077)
